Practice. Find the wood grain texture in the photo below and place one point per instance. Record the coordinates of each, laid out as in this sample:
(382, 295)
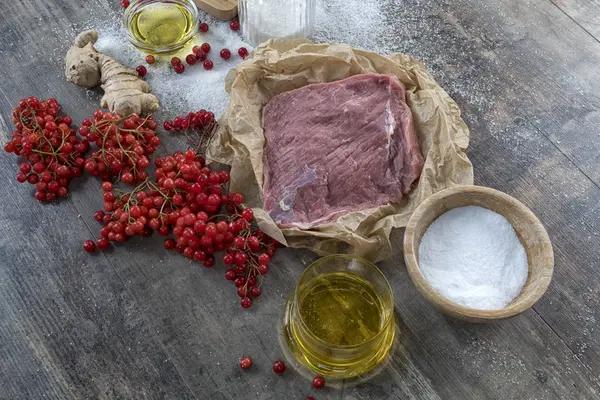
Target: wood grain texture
(528, 228)
(137, 322)
(585, 13)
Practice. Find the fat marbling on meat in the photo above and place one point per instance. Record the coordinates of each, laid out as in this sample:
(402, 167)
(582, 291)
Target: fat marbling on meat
(333, 148)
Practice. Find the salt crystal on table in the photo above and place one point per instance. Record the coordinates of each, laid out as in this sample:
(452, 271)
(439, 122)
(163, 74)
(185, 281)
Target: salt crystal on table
(473, 257)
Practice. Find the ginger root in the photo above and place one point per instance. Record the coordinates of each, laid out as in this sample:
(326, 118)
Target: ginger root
(125, 92)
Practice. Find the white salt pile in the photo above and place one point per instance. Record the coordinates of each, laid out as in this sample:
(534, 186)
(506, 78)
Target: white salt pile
(196, 88)
(472, 256)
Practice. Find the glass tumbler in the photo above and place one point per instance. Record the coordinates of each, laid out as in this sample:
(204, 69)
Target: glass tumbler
(262, 20)
(339, 320)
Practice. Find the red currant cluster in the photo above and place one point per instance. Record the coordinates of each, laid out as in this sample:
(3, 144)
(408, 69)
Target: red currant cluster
(202, 120)
(53, 153)
(129, 214)
(188, 198)
(123, 146)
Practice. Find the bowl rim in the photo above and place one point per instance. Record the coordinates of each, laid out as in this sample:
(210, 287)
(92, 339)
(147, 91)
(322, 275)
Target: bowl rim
(137, 5)
(518, 305)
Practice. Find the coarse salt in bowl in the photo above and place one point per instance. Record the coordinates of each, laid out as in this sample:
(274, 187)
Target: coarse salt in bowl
(528, 228)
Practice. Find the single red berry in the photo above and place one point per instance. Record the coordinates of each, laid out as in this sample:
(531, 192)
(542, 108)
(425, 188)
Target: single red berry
(235, 25)
(255, 291)
(203, 27)
(175, 61)
(124, 3)
(191, 59)
(205, 47)
(230, 275)
(208, 65)
(264, 259)
(141, 70)
(89, 246)
(179, 68)
(99, 215)
(102, 243)
(225, 54)
(243, 52)
(107, 186)
(150, 59)
(245, 362)
(169, 244)
(279, 367)
(246, 302)
(318, 382)
(248, 214)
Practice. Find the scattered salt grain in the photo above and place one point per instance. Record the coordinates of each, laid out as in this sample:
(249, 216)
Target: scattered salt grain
(472, 256)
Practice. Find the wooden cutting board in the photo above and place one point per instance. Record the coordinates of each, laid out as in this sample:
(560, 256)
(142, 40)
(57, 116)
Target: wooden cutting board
(223, 9)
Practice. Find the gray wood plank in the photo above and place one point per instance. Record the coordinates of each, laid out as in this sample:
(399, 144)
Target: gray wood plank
(69, 327)
(585, 13)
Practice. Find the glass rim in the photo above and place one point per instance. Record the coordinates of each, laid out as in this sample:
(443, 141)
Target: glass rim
(137, 5)
(388, 318)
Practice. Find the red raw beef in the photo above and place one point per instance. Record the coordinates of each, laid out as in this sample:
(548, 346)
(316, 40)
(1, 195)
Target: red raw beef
(333, 148)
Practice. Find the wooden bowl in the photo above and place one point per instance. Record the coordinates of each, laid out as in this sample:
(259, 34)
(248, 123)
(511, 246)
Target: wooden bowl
(528, 228)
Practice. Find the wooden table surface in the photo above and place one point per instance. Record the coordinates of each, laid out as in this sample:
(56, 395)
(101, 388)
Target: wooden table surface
(137, 322)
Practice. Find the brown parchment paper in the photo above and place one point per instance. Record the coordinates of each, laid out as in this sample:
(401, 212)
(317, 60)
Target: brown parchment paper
(281, 65)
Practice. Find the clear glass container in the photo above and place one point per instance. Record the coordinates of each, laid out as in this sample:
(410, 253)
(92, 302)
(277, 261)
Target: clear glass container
(161, 26)
(262, 20)
(339, 321)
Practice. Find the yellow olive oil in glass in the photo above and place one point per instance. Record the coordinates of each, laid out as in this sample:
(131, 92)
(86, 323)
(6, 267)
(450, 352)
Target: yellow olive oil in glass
(162, 25)
(341, 308)
(339, 321)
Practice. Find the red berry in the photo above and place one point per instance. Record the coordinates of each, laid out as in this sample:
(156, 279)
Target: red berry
(318, 382)
(107, 186)
(243, 52)
(225, 54)
(203, 27)
(102, 243)
(245, 362)
(246, 302)
(279, 367)
(248, 214)
(191, 59)
(99, 215)
(141, 70)
(169, 244)
(264, 259)
(239, 242)
(205, 47)
(89, 246)
(175, 61)
(208, 65)
(124, 3)
(234, 25)
(230, 275)
(255, 291)
(179, 68)
(150, 59)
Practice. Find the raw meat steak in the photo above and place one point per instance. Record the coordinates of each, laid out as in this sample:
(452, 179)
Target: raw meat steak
(333, 148)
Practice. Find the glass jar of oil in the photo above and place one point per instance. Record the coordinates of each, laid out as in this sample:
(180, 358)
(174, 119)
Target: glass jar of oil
(156, 26)
(339, 321)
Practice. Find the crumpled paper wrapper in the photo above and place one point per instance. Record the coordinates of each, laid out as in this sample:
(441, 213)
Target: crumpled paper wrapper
(281, 65)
